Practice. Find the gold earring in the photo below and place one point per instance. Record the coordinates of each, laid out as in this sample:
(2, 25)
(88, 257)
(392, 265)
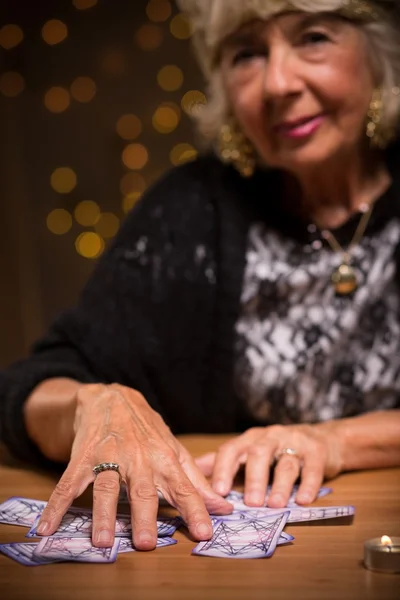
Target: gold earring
(379, 136)
(235, 148)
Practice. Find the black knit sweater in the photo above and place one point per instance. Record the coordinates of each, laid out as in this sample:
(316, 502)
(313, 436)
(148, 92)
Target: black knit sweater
(159, 312)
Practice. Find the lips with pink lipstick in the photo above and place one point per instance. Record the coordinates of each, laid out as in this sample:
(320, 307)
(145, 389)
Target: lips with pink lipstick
(300, 128)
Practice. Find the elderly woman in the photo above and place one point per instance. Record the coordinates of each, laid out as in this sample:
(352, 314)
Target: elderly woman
(254, 290)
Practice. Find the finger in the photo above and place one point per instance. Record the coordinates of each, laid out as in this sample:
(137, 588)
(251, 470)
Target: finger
(105, 499)
(206, 463)
(215, 504)
(227, 463)
(258, 463)
(286, 472)
(144, 508)
(312, 476)
(72, 484)
(182, 494)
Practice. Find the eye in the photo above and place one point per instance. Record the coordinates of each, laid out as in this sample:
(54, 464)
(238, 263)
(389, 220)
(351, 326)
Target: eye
(314, 37)
(246, 54)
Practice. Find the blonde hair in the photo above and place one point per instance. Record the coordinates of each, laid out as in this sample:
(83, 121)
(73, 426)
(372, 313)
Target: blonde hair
(214, 20)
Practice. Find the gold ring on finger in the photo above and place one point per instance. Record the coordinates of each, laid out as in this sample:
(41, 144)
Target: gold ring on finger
(288, 452)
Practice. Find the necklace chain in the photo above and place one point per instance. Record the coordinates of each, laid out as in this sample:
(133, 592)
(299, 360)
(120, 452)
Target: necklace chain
(361, 227)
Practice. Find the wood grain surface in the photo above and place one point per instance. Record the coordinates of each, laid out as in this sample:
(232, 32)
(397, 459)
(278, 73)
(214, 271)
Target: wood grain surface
(324, 562)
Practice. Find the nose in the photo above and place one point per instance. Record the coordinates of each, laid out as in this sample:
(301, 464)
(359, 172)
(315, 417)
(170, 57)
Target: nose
(281, 76)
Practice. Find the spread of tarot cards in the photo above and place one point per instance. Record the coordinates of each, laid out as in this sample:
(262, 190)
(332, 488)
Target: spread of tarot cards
(245, 533)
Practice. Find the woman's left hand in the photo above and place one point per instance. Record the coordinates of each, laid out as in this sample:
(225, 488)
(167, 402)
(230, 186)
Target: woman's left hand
(317, 456)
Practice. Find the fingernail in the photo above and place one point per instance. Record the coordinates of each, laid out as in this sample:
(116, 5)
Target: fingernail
(254, 498)
(145, 538)
(276, 499)
(305, 498)
(204, 530)
(43, 528)
(104, 536)
(220, 488)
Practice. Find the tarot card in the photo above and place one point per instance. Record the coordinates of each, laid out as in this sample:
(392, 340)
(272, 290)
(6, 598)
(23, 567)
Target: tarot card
(250, 538)
(74, 549)
(21, 511)
(22, 552)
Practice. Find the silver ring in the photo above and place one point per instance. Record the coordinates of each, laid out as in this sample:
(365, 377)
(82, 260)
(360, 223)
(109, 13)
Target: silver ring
(288, 451)
(106, 466)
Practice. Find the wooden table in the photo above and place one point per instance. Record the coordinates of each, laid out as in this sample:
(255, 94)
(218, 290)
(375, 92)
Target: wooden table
(324, 562)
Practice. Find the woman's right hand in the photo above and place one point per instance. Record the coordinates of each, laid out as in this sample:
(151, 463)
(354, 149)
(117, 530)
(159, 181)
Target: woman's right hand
(114, 423)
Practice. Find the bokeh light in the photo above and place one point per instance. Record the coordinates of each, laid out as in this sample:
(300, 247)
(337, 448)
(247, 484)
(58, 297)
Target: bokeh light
(107, 225)
(170, 78)
(129, 127)
(11, 84)
(180, 27)
(59, 221)
(149, 37)
(182, 153)
(193, 101)
(135, 156)
(10, 36)
(129, 201)
(89, 244)
(166, 117)
(54, 32)
(57, 99)
(158, 10)
(87, 213)
(63, 180)
(132, 183)
(83, 89)
(84, 4)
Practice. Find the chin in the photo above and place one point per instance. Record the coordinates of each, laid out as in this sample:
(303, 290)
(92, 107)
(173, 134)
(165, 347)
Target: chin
(310, 156)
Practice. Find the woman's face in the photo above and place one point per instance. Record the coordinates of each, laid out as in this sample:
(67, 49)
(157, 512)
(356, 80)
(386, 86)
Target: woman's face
(300, 86)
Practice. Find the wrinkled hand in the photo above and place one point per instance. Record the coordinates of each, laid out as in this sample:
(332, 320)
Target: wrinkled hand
(114, 423)
(318, 457)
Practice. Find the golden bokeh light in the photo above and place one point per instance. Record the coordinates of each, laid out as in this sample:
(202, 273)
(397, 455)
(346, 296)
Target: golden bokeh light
(193, 101)
(170, 78)
(182, 153)
(132, 183)
(11, 84)
(63, 180)
(84, 4)
(54, 32)
(135, 156)
(57, 99)
(180, 27)
(10, 36)
(113, 62)
(166, 117)
(87, 213)
(149, 37)
(129, 127)
(107, 225)
(129, 201)
(89, 244)
(59, 221)
(159, 10)
(83, 89)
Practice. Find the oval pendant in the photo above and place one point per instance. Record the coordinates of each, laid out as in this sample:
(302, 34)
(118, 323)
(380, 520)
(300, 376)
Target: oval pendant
(344, 280)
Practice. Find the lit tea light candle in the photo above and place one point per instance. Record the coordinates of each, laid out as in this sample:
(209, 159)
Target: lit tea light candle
(383, 554)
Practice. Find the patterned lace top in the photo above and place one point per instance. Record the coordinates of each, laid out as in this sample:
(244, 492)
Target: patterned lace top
(303, 353)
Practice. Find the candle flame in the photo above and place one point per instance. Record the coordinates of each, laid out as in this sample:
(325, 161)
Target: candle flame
(386, 540)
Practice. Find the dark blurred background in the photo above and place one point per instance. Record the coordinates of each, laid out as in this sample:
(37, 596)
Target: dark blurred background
(95, 104)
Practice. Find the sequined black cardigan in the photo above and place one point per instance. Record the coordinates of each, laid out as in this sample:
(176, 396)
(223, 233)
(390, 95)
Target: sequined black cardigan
(159, 312)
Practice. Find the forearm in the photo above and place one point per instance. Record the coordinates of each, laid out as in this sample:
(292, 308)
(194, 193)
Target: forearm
(49, 416)
(368, 441)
